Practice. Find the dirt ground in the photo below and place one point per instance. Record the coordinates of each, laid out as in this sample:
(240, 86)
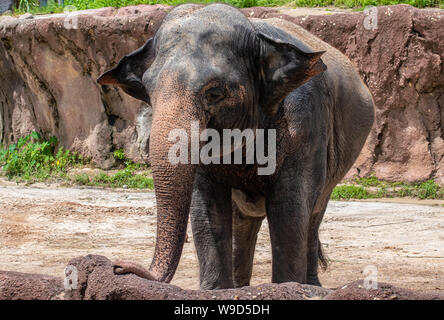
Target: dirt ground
(43, 227)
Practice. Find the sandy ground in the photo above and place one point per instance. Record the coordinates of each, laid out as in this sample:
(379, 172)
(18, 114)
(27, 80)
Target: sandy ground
(43, 227)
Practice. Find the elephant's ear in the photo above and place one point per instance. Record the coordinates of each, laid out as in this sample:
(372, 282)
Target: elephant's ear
(129, 72)
(284, 67)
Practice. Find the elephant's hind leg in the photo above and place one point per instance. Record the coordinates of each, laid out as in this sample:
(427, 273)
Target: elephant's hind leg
(245, 230)
(212, 231)
(314, 253)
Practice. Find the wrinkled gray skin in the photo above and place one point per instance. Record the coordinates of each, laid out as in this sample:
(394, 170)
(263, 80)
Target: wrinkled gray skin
(210, 63)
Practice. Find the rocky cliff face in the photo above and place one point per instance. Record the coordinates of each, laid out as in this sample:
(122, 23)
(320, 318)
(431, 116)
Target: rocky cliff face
(6, 5)
(49, 66)
(48, 71)
(401, 61)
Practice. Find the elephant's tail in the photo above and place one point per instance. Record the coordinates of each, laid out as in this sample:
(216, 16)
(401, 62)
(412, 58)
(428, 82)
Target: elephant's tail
(323, 259)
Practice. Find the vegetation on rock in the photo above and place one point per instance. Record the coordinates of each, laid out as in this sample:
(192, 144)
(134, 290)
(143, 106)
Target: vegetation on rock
(53, 6)
(33, 159)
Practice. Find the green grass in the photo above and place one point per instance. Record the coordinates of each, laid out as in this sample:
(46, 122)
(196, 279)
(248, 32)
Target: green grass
(32, 5)
(133, 176)
(33, 159)
(347, 192)
(371, 187)
(119, 155)
(125, 178)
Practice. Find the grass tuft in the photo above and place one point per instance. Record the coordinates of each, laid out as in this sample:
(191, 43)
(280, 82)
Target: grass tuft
(125, 178)
(347, 192)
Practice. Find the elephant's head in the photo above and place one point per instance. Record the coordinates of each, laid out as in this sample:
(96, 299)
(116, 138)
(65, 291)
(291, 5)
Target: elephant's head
(206, 64)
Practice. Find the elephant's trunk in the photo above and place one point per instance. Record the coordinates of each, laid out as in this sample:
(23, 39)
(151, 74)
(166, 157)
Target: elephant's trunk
(173, 186)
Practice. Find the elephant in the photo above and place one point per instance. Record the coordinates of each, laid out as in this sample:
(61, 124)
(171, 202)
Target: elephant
(212, 65)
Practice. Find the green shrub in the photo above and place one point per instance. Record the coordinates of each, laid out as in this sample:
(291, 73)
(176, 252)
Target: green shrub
(119, 154)
(428, 190)
(33, 158)
(346, 192)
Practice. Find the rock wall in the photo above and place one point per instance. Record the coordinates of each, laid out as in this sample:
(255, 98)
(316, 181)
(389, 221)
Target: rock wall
(48, 72)
(401, 61)
(6, 5)
(49, 66)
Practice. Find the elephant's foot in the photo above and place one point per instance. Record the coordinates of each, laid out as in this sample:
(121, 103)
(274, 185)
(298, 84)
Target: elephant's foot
(313, 280)
(125, 267)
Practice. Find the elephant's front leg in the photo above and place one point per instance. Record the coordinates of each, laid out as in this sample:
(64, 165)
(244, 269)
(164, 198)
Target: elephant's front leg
(245, 230)
(289, 207)
(212, 231)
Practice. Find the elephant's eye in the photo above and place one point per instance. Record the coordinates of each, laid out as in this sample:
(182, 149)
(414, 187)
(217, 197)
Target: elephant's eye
(214, 95)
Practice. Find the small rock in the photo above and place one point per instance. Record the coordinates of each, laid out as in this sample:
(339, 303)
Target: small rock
(125, 186)
(26, 16)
